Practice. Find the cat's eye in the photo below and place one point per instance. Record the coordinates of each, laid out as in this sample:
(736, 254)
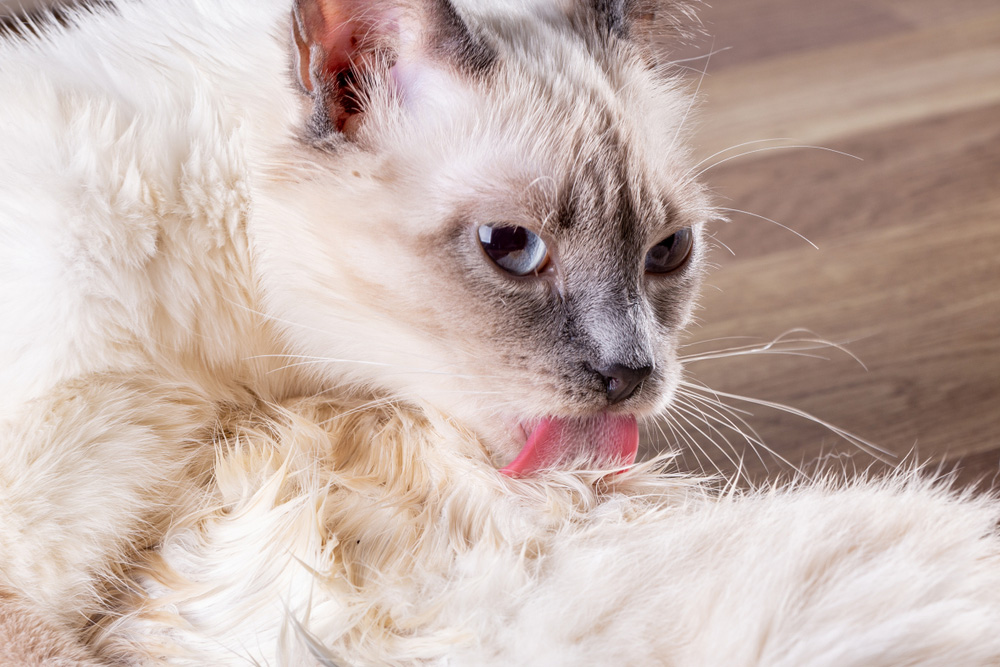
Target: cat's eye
(516, 250)
(671, 253)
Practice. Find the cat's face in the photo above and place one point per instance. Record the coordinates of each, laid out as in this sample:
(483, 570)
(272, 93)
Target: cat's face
(509, 242)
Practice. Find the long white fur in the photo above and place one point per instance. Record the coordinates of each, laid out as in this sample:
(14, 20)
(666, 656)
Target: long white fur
(350, 536)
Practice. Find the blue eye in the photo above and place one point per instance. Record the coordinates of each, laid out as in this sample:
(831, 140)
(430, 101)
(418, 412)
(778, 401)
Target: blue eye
(671, 253)
(514, 249)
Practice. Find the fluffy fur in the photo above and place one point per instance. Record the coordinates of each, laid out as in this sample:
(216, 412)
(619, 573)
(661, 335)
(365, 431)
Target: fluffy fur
(176, 207)
(344, 535)
(209, 210)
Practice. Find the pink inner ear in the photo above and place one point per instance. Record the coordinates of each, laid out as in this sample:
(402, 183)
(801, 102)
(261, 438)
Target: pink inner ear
(324, 24)
(337, 42)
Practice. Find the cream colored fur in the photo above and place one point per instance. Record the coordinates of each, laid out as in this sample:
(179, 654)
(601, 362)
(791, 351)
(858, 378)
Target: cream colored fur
(351, 536)
(176, 260)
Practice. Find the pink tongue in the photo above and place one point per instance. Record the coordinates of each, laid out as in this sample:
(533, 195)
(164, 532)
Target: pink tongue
(607, 440)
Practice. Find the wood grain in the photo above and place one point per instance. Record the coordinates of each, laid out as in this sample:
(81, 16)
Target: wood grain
(907, 270)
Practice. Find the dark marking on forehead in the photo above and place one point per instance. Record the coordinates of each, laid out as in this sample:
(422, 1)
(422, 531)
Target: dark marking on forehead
(614, 15)
(454, 38)
(598, 193)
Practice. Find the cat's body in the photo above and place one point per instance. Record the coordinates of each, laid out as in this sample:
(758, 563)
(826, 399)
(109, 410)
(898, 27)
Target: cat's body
(218, 204)
(319, 547)
(208, 209)
(128, 305)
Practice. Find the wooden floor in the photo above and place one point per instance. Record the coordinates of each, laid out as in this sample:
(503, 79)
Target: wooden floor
(907, 270)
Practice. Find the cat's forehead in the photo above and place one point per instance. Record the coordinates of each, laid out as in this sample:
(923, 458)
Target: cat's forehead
(565, 130)
(579, 164)
(592, 122)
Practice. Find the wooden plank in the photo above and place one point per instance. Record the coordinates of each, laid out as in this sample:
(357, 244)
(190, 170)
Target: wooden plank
(930, 13)
(819, 96)
(752, 31)
(911, 171)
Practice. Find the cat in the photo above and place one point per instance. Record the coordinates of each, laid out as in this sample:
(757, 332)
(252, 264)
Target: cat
(214, 207)
(327, 328)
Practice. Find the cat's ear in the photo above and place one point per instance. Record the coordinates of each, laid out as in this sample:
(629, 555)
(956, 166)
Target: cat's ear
(347, 51)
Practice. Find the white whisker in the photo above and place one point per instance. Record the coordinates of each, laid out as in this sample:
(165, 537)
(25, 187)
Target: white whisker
(681, 413)
(712, 420)
(701, 57)
(692, 443)
(861, 443)
(715, 239)
(770, 148)
(757, 215)
(694, 96)
(732, 148)
(725, 414)
(798, 347)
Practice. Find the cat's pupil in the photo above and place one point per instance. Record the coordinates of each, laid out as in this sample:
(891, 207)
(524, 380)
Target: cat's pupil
(514, 249)
(501, 241)
(671, 253)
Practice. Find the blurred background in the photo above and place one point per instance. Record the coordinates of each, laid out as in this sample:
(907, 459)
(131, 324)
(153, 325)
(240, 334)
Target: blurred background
(902, 262)
(906, 268)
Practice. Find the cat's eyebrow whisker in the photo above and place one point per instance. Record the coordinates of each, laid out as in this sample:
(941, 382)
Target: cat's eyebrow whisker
(694, 98)
(868, 447)
(734, 147)
(667, 66)
(701, 57)
(765, 149)
(540, 179)
(786, 227)
(715, 239)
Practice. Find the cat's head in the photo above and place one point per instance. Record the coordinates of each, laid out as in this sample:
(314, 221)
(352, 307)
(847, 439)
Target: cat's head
(491, 211)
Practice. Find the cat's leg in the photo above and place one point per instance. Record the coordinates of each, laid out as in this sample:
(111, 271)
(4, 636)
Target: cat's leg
(88, 473)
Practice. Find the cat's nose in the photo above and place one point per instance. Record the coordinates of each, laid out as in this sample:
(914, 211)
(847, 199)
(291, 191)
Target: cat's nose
(622, 381)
